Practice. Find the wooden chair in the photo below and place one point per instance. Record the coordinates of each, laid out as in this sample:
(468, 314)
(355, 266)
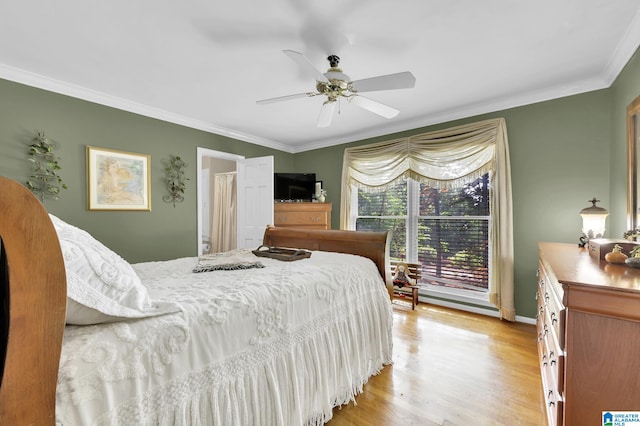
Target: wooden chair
(407, 291)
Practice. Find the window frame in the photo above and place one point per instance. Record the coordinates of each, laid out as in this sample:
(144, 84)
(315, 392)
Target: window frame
(412, 219)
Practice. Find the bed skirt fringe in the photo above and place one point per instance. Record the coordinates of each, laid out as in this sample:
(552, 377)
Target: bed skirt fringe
(297, 384)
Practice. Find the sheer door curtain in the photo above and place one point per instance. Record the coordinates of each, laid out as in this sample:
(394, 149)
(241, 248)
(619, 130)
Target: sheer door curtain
(223, 224)
(446, 159)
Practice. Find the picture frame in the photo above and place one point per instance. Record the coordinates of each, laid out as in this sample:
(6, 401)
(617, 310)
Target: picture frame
(118, 180)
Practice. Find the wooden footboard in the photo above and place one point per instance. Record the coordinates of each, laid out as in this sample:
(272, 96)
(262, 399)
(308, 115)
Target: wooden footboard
(374, 245)
(33, 303)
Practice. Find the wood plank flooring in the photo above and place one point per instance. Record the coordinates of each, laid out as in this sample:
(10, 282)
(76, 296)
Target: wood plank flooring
(452, 368)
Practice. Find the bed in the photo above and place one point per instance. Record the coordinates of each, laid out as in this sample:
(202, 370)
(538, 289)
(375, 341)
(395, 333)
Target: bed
(252, 340)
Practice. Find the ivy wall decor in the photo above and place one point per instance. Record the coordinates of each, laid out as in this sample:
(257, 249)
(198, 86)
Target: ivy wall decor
(44, 182)
(176, 181)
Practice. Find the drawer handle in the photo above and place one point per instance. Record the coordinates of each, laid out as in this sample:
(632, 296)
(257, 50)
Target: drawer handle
(546, 297)
(552, 363)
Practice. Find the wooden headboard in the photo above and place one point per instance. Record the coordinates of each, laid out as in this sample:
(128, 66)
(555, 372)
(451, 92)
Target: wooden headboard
(33, 297)
(374, 245)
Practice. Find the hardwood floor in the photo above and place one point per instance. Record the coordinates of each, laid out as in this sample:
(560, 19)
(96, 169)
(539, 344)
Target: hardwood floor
(452, 368)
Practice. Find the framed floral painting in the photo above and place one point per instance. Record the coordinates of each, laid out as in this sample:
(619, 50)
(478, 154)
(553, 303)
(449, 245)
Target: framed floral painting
(118, 180)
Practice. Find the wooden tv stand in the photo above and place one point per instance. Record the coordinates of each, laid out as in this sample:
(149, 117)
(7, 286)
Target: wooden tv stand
(302, 215)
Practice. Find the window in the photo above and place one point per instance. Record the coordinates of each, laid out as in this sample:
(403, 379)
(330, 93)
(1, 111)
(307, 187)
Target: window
(445, 230)
(432, 190)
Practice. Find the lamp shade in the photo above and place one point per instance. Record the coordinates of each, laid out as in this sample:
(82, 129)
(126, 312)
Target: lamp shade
(594, 220)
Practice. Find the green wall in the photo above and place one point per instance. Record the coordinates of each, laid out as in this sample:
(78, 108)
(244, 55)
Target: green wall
(163, 233)
(563, 153)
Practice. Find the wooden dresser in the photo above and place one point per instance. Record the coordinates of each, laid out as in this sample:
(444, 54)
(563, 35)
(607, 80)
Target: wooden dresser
(588, 335)
(302, 215)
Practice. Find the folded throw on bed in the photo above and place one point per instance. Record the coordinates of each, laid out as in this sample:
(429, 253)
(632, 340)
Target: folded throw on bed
(227, 261)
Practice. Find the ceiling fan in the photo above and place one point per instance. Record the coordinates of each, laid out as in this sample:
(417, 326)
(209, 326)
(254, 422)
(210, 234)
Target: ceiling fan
(334, 84)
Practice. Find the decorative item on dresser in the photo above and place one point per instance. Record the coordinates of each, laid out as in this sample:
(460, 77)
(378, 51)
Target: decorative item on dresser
(593, 222)
(302, 215)
(588, 326)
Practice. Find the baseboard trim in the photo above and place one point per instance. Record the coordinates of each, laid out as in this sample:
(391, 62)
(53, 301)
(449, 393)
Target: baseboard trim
(474, 309)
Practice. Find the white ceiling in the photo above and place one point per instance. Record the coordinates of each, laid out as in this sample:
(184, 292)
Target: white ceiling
(204, 64)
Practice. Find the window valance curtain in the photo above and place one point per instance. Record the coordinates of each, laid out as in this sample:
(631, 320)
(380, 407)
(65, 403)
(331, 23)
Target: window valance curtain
(444, 159)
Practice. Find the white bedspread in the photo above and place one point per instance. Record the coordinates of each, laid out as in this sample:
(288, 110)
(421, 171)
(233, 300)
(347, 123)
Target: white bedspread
(279, 345)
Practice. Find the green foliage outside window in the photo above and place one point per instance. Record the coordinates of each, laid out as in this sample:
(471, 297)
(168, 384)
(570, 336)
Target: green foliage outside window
(451, 227)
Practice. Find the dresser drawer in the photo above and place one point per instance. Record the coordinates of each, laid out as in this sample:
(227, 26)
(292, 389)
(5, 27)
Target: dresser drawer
(555, 405)
(552, 299)
(302, 215)
(551, 283)
(300, 218)
(553, 360)
(556, 317)
(552, 395)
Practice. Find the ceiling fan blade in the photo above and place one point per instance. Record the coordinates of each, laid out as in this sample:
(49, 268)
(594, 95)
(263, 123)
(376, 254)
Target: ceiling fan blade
(305, 64)
(401, 80)
(374, 106)
(286, 98)
(326, 113)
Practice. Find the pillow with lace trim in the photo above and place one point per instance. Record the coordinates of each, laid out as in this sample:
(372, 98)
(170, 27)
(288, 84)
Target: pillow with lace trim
(227, 261)
(101, 286)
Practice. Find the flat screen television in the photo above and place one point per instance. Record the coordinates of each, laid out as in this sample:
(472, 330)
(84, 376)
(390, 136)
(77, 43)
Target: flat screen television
(288, 187)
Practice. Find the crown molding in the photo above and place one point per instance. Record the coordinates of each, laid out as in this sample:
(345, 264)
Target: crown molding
(499, 104)
(619, 58)
(57, 86)
(627, 46)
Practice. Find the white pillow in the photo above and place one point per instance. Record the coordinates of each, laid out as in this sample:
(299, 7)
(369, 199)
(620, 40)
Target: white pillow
(101, 286)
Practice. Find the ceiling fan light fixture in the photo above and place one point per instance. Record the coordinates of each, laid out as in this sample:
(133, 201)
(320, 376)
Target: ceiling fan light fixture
(336, 74)
(334, 84)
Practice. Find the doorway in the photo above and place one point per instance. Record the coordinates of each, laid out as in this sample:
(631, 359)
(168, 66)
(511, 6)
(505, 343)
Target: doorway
(252, 194)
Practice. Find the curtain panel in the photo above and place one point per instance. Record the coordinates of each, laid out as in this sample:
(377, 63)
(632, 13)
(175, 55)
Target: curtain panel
(445, 159)
(224, 226)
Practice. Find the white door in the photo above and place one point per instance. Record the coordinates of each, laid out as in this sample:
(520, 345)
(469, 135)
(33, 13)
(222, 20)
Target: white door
(255, 200)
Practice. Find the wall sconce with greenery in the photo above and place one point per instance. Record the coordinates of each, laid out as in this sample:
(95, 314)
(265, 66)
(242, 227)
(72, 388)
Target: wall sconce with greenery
(44, 182)
(176, 181)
